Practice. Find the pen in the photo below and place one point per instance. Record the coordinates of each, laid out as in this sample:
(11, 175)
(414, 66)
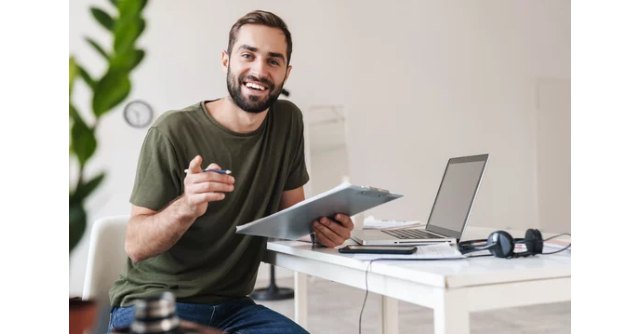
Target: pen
(219, 171)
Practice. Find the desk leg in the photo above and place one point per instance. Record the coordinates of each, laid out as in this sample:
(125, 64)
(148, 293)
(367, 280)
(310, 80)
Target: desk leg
(389, 315)
(450, 314)
(300, 298)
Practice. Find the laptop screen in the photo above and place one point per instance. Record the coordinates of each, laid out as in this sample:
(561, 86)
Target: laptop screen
(455, 195)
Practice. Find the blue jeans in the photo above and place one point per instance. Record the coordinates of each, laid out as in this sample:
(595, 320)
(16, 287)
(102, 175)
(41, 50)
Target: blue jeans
(236, 316)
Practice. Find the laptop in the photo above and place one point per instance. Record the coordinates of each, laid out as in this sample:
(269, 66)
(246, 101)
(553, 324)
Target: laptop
(450, 210)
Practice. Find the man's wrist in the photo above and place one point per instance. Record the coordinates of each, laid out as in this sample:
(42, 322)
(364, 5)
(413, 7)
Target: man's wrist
(183, 212)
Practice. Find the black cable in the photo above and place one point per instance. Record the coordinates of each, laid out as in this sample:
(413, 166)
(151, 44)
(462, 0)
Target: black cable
(481, 255)
(366, 291)
(557, 235)
(366, 279)
(560, 250)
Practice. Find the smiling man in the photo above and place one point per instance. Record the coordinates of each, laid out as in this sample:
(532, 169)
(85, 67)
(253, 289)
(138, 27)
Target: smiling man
(181, 234)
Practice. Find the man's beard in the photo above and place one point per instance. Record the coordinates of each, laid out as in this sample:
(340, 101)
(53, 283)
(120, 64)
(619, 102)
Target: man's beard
(253, 104)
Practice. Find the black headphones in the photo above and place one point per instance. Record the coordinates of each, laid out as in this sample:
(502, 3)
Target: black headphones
(502, 244)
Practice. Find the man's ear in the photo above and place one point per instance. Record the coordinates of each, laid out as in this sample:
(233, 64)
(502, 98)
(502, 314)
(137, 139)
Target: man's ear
(286, 76)
(224, 60)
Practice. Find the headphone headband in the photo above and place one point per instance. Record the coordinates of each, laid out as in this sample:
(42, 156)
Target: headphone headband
(501, 244)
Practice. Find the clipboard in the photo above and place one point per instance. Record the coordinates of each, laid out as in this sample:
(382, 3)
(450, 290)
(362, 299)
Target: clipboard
(295, 221)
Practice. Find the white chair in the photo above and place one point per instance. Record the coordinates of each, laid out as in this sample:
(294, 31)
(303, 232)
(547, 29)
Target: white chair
(105, 262)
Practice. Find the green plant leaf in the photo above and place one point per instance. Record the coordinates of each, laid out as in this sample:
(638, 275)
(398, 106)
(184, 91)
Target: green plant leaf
(127, 61)
(139, 55)
(131, 7)
(112, 89)
(108, 91)
(143, 26)
(84, 189)
(97, 47)
(126, 34)
(86, 77)
(73, 73)
(77, 224)
(103, 18)
(129, 26)
(83, 141)
(73, 112)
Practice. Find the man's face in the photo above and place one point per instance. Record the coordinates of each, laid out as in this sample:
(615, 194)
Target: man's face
(257, 67)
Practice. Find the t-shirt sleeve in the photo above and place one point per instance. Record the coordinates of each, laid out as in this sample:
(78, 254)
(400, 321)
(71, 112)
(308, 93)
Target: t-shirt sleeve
(157, 179)
(298, 174)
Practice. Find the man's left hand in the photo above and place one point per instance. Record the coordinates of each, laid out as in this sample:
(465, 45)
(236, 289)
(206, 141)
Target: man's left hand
(333, 232)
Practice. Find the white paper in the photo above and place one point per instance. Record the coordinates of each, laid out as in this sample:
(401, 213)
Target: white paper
(371, 223)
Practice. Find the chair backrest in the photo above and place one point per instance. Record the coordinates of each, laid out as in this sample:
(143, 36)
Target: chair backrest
(105, 262)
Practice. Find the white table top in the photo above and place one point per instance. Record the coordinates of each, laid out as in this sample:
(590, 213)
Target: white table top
(446, 274)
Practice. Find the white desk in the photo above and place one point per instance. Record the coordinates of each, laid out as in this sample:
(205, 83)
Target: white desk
(451, 288)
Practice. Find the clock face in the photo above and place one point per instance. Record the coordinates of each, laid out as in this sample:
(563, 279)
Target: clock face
(138, 114)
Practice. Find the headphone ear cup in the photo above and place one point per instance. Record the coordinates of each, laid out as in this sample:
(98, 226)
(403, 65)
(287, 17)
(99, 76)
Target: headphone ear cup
(501, 244)
(533, 241)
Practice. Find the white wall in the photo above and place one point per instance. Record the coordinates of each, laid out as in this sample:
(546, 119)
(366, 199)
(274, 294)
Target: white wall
(419, 81)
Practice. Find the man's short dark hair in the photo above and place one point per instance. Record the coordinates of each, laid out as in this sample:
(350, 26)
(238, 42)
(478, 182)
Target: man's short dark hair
(264, 18)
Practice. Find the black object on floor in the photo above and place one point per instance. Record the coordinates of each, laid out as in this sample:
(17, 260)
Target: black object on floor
(272, 292)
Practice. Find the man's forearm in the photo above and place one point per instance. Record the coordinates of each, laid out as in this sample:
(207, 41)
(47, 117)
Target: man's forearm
(151, 233)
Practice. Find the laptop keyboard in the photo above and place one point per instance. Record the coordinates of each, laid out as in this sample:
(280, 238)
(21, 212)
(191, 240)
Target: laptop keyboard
(412, 234)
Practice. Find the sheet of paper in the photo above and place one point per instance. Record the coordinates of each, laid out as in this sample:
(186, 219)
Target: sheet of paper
(370, 222)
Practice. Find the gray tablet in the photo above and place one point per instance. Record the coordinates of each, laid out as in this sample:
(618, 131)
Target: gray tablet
(295, 221)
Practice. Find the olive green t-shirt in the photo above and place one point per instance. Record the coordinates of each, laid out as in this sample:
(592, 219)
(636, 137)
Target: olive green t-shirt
(211, 263)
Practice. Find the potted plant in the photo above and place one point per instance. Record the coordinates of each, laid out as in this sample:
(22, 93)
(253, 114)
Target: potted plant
(108, 90)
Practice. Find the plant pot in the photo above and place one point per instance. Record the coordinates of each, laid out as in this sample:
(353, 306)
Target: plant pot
(82, 315)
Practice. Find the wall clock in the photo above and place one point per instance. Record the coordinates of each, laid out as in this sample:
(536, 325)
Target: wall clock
(138, 114)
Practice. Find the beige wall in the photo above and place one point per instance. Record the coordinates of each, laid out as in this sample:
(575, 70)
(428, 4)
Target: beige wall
(419, 82)
(553, 139)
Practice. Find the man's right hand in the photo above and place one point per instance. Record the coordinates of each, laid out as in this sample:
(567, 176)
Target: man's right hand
(151, 232)
(200, 188)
